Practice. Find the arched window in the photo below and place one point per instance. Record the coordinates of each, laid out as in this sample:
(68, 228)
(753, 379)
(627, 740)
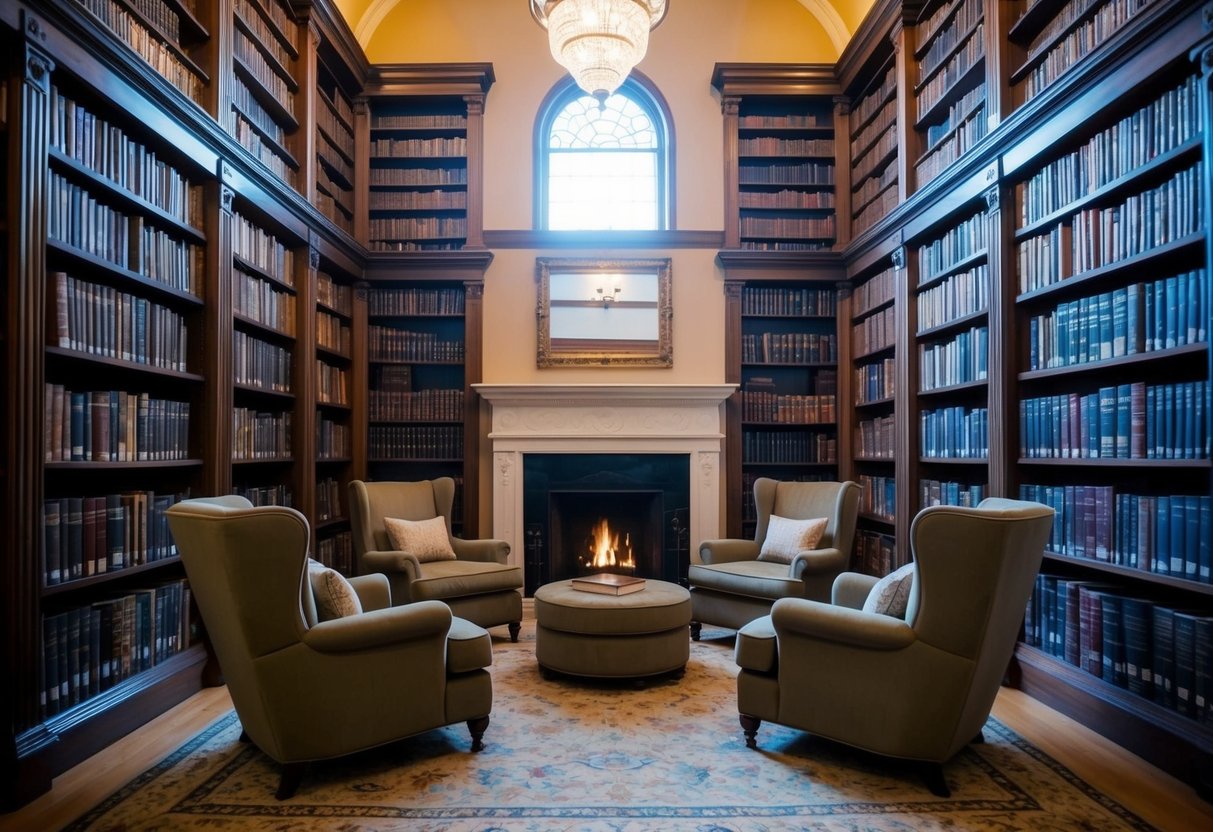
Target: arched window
(603, 168)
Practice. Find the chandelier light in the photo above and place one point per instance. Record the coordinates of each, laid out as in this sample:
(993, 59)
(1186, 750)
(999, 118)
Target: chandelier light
(598, 41)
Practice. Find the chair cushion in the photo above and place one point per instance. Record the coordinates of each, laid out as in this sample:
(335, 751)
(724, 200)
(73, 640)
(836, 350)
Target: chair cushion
(755, 578)
(334, 596)
(786, 538)
(756, 646)
(468, 647)
(891, 594)
(427, 540)
(445, 579)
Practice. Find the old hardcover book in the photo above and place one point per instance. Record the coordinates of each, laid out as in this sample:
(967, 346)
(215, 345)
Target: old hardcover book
(608, 584)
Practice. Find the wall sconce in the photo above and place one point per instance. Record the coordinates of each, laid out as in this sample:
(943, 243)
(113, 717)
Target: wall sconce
(606, 298)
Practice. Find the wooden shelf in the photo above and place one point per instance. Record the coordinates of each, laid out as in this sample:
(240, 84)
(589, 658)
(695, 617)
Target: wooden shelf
(113, 275)
(954, 325)
(1188, 351)
(977, 258)
(963, 387)
(108, 577)
(265, 97)
(967, 81)
(283, 38)
(253, 269)
(1085, 462)
(66, 354)
(1132, 573)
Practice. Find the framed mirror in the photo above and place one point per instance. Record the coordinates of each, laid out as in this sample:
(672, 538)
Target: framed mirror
(614, 313)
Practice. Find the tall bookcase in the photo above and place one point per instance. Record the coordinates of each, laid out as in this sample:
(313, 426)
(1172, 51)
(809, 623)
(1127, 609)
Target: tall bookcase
(873, 132)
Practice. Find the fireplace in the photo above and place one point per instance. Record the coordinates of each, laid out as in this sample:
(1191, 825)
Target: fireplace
(622, 513)
(532, 423)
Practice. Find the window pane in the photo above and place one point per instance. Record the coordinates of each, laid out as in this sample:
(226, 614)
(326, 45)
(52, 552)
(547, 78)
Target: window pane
(602, 190)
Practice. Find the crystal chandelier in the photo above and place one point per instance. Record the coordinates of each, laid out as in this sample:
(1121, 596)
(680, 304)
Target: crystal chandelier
(598, 41)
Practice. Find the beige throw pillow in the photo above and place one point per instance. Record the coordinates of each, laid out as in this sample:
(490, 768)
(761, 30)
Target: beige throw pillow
(425, 539)
(787, 538)
(891, 594)
(335, 598)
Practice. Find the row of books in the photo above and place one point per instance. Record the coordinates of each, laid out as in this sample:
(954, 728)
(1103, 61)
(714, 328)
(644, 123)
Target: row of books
(789, 348)
(87, 650)
(954, 297)
(758, 300)
(952, 139)
(256, 363)
(1161, 126)
(266, 495)
(256, 246)
(404, 228)
(160, 15)
(392, 378)
(759, 244)
(268, 154)
(337, 552)
(968, 107)
(757, 406)
(266, 75)
(786, 199)
(868, 164)
(258, 434)
(884, 119)
(260, 301)
(807, 173)
(136, 36)
(332, 151)
(328, 499)
(418, 200)
(962, 359)
(333, 333)
(332, 439)
(790, 121)
(334, 295)
(868, 184)
(80, 220)
(266, 35)
(422, 405)
(967, 14)
(1167, 534)
(107, 150)
(86, 536)
(876, 291)
(950, 493)
(962, 60)
(114, 426)
(886, 189)
(415, 302)
(874, 332)
(281, 18)
(1158, 652)
(249, 109)
(876, 438)
(332, 384)
(875, 381)
(962, 241)
(823, 227)
(387, 344)
(407, 177)
(878, 496)
(102, 321)
(955, 433)
(419, 122)
(400, 442)
(777, 447)
(420, 148)
(875, 553)
(1128, 421)
(875, 100)
(773, 146)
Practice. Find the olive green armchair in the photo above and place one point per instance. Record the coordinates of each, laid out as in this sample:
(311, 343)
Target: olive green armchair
(918, 688)
(477, 582)
(306, 689)
(734, 583)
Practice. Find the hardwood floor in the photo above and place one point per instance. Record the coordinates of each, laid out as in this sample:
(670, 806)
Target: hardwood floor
(1160, 799)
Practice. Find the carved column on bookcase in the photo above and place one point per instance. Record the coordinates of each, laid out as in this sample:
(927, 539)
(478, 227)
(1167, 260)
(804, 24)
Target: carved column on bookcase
(845, 393)
(215, 56)
(1004, 336)
(1001, 61)
(359, 380)
(730, 106)
(842, 168)
(907, 108)
(733, 290)
(475, 161)
(308, 77)
(1206, 68)
(473, 373)
(24, 445)
(216, 427)
(306, 382)
(362, 170)
(905, 406)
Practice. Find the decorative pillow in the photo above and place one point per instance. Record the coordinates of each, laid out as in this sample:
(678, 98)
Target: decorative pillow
(335, 598)
(788, 538)
(426, 539)
(891, 594)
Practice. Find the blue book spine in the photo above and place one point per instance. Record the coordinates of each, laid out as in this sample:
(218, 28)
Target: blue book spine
(1134, 334)
(1162, 535)
(1138, 621)
(1124, 410)
(1204, 555)
(1185, 663)
(1163, 663)
(1202, 687)
(1178, 529)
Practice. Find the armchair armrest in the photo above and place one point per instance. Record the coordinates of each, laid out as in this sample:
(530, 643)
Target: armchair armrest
(374, 592)
(814, 561)
(851, 589)
(394, 625)
(825, 622)
(485, 551)
(389, 562)
(727, 551)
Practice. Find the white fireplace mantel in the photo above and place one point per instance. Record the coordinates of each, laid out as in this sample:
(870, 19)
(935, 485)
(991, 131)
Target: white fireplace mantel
(606, 418)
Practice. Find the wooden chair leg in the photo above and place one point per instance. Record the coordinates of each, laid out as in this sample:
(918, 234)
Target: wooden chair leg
(477, 727)
(515, 629)
(292, 775)
(749, 724)
(696, 628)
(932, 773)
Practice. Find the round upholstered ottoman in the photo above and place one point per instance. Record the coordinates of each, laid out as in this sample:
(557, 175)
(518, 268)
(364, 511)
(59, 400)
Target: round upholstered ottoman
(643, 633)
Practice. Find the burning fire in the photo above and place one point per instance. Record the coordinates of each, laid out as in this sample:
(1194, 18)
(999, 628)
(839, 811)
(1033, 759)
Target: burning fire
(605, 550)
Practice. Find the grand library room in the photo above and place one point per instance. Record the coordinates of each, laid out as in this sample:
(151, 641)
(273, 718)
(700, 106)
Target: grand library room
(592, 359)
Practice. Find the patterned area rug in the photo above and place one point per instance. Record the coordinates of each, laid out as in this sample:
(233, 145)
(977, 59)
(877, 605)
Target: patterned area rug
(567, 755)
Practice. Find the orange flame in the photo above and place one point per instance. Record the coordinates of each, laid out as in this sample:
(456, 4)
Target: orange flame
(605, 550)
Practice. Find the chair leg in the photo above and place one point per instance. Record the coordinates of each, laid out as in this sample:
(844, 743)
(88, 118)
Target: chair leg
(749, 724)
(696, 627)
(477, 727)
(932, 773)
(515, 629)
(292, 775)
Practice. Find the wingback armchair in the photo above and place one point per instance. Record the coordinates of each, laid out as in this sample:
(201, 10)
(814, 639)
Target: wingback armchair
(306, 689)
(919, 688)
(735, 582)
(477, 583)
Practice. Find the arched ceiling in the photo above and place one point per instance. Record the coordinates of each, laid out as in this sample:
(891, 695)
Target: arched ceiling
(839, 18)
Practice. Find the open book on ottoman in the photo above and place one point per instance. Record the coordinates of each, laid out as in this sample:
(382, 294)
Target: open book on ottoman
(605, 583)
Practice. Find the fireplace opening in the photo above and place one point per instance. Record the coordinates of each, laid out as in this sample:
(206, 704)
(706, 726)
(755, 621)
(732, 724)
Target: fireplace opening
(605, 531)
